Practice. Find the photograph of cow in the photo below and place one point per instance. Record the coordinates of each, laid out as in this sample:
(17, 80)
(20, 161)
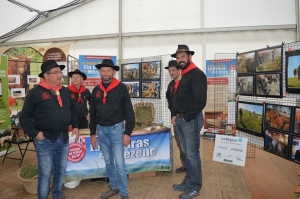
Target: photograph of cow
(293, 71)
(245, 62)
(151, 89)
(130, 71)
(249, 117)
(278, 117)
(295, 152)
(268, 60)
(268, 84)
(244, 85)
(133, 88)
(151, 70)
(277, 143)
(297, 121)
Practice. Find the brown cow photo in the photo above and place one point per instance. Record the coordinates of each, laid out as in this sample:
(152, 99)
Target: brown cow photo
(277, 143)
(278, 117)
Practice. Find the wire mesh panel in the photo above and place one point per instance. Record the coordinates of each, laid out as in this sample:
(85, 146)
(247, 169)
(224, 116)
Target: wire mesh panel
(72, 64)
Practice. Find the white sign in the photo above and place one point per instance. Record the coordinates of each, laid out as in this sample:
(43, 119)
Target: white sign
(230, 149)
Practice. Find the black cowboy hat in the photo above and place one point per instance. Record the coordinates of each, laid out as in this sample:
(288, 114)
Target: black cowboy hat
(107, 63)
(77, 72)
(183, 48)
(47, 65)
(172, 63)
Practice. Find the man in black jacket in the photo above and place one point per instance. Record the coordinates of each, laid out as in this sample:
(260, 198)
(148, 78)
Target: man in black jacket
(189, 101)
(80, 96)
(174, 72)
(110, 107)
(46, 115)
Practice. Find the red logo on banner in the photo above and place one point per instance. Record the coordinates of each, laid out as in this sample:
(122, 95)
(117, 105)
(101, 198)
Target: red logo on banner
(45, 96)
(98, 94)
(76, 152)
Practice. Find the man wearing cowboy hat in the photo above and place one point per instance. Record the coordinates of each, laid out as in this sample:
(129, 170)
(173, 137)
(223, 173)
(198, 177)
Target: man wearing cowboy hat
(110, 107)
(189, 101)
(80, 95)
(47, 112)
(174, 72)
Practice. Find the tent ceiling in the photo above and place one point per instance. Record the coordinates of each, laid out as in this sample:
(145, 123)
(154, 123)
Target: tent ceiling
(12, 16)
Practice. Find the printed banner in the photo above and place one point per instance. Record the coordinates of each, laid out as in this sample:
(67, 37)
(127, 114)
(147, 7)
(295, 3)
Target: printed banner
(149, 152)
(218, 118)
(87, 65)
(230, 150)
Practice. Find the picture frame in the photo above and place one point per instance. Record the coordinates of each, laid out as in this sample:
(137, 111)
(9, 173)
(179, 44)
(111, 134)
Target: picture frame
(277, 143)
(278, 117)
(249, 117)
(33, 79)
(130, 71)
(133, 88)
(268, 85)
(269, 60)
(295, 149)
(151, 70)
(292, 63)
(151, 89)
(245, 85)
(245, 62)
(13, 79)
(296, 120)
(17, 92)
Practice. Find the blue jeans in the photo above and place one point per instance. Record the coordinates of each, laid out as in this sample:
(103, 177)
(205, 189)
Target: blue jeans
(51, 156)
(111, 144)
(189, 136)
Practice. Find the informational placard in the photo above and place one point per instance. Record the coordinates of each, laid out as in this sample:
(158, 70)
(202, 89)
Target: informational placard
(87, 65)
(230, 149)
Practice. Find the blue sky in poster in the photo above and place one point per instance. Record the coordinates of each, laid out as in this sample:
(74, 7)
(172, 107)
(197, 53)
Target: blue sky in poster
(160, 143)
(87, 64)
(219, 68)
(294, 62)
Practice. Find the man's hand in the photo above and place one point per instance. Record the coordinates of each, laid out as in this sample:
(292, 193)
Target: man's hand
(173, 121)
(94, 142)
(126, 140)
(40, 136)
(88, 117)
(76, 133)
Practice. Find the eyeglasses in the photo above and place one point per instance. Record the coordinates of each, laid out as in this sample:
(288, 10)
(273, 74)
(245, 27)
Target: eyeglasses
(56, 73)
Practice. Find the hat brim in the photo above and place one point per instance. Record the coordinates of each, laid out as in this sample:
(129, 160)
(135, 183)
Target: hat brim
(61, 68)
(167, 67)
(79, 73)
(98, 66)
(189, 52)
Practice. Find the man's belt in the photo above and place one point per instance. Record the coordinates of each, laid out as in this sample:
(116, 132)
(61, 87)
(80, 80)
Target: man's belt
(179, 115)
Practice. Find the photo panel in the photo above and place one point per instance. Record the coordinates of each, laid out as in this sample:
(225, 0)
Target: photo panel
(269, 59)
(295, 149)
(130, 71)
(17, 92)
(249, 117)
(151, 89)
(268, 85)
(151, 70)
(278, 117)
(245, 62)
(133, 88)
(244, 85)
(296, 121)
(33, 79)
(277, 143)
(292, 65)
(13, 79)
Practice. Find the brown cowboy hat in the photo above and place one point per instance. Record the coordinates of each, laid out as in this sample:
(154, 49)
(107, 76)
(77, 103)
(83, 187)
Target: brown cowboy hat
(172, 63)
(77, 72)
(47, 65)
(107, 63)
(183, 48)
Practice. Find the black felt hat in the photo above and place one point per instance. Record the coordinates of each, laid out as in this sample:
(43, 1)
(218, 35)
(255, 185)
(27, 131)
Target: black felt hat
(183, 48)
(107, 63)
(77, 72)
(172, 63)
(47, 65)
